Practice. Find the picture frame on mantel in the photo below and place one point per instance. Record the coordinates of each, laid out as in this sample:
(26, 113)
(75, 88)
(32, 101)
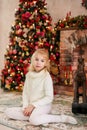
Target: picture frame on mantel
(70, 41)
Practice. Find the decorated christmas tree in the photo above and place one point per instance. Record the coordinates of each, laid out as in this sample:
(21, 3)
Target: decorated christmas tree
(32, 29)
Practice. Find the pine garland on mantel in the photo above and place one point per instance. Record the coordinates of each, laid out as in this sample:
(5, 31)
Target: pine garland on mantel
(78, 22)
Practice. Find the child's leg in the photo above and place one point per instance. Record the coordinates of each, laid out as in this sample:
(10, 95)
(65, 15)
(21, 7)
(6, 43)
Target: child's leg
(41, 116)
(16, 113)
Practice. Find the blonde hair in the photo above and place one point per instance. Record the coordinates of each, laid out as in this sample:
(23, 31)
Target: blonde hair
(41, 51)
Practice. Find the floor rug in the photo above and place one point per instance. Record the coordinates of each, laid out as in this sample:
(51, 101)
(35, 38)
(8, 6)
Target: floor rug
(62, 104)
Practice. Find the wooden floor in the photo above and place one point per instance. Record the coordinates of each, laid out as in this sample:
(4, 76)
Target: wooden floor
(60, 89)
(66, 90)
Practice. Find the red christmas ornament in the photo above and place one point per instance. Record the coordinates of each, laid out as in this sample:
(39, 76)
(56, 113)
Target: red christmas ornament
(52, 57)
(11, 64)
(26, 16)
(62, 25)
(14, 51)
(17, 27)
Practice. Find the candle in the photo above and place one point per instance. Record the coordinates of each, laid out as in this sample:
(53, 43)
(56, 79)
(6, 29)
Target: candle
(70, 68)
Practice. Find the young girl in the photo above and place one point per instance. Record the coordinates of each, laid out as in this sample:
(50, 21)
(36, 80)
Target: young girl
(38, 94)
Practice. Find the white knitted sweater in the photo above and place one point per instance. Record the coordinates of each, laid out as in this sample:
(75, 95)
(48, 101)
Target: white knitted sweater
(38, 89)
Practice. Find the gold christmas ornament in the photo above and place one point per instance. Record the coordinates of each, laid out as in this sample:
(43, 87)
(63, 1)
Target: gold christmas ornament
(27, 53)
(22, 54)
(12, 74)
(18, 39)
(7, 86)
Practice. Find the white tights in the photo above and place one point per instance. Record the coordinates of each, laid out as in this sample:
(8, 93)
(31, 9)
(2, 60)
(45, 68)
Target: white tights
(39, 115)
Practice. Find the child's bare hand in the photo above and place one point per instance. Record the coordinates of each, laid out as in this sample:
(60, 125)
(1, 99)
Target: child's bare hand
(28, 110)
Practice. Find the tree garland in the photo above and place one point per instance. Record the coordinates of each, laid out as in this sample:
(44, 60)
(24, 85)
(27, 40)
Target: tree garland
(84, 3)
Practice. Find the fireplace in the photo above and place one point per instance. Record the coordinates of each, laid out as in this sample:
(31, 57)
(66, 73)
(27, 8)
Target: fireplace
(70, 41)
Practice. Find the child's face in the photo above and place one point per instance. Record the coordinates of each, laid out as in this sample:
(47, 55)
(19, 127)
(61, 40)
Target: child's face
(39, 62)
